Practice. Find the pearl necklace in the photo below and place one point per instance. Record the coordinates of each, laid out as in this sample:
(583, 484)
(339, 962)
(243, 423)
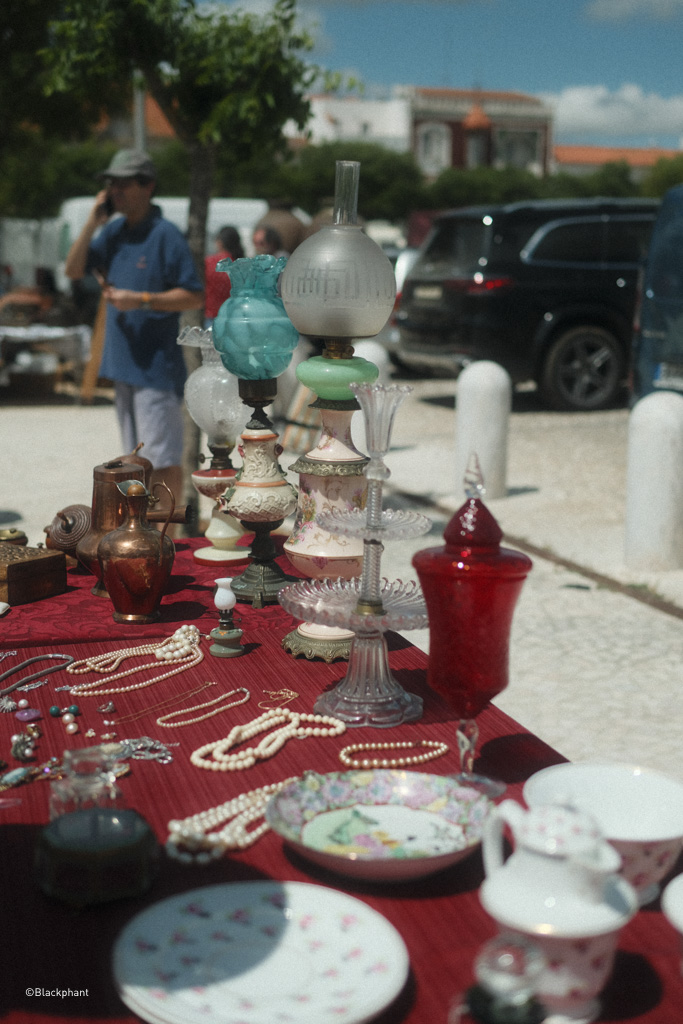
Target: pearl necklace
(182, 649)
(221, 761)
(165, 724)
(189, 842)
(436, 750)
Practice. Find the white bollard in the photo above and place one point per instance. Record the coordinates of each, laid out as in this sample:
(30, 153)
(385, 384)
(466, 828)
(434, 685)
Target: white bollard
(482, 412)
(654, 483)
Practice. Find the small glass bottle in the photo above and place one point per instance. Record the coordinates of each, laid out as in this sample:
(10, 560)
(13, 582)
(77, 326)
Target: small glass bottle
(507, 969)
(95, 849)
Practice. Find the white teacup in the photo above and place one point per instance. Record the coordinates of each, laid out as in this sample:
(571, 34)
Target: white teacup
(638, 810)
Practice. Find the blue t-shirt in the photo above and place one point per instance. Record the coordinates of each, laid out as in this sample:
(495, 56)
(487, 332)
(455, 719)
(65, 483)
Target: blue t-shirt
(141, 346)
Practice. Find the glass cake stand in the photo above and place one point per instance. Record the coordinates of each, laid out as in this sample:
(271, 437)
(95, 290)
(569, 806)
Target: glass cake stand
(369, 605)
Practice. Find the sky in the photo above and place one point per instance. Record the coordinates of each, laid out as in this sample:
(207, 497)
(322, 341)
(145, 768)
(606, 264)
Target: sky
(611, 69)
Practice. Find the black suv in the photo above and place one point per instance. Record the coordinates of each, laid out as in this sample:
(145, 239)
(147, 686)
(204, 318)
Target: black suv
(545, 288)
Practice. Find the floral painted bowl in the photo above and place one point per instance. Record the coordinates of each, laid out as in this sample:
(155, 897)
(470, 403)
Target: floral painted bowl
(381, 825)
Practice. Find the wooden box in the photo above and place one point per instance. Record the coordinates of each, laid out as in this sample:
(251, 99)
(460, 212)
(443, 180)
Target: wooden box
(27, 574)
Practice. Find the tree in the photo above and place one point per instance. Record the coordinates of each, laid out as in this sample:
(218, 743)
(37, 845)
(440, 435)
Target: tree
(612, 179)
(225, 81)
(390, 183)
(455, 187)
(663, 176)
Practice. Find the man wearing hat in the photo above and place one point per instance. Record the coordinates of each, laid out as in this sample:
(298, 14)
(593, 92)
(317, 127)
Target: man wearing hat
(148, 278)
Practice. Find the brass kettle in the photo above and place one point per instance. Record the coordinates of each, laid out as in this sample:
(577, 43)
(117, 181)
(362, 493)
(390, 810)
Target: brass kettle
(108, 512)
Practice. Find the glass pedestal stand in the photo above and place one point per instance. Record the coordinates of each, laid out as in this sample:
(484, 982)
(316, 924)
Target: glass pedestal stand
(368, 694)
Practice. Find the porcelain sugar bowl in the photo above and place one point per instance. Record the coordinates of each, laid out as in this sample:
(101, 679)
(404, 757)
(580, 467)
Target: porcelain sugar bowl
(561, 888)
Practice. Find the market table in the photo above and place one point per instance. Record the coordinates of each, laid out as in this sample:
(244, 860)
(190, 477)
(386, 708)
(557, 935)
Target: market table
(64, 954)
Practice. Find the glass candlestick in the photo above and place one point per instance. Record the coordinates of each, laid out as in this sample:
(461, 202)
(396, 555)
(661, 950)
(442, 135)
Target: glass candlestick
(368, 694)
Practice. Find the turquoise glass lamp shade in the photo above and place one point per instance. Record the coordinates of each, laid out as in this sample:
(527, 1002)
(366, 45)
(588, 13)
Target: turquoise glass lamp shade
(252, 331)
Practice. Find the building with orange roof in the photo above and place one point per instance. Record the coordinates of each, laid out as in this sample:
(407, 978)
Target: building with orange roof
(586, 159)
(442, 127)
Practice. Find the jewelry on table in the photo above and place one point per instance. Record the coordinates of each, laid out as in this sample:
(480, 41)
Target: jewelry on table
(66, 659)
(221, 761)
(193, 840)
(162, 721)
(8, 654)
(134, 715)
(23, 746)
(277, 698)
(145, 749)
(107, 708)
(52, 769)
(182, 648)
(436, 749)
(33, 686)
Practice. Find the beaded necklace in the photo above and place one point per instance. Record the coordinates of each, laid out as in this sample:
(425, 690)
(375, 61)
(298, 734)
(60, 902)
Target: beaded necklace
(165, 724)
(219, 760)
(189, 840)
(182, 649)
(434, 749)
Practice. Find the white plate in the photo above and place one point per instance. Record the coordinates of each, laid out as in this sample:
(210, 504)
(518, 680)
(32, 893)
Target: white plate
(259, 953)
(383, 825)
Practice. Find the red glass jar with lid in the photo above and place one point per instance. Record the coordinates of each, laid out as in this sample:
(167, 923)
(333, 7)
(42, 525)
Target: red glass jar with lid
(470, 586)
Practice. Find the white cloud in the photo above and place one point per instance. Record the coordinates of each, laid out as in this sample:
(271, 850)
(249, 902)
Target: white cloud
(628, 111)
(622, 10)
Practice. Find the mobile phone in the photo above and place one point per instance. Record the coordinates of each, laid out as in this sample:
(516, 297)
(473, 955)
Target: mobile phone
(108, 206)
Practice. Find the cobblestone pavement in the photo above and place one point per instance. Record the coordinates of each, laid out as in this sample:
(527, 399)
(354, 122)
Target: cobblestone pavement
(593, 671)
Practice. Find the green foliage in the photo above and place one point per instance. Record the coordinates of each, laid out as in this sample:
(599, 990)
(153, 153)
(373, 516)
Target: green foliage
(225, 79)
(390, 182)
(612, 179)
(37, 176)
(456, 187)
(663, 176)
(25, 110)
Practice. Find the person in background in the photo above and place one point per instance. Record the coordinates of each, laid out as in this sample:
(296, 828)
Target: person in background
(148, 278)
(266, 240)
(217, 282)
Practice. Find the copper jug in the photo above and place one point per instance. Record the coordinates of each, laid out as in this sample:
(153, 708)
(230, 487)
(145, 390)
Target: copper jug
(136, 559)
(108, 512)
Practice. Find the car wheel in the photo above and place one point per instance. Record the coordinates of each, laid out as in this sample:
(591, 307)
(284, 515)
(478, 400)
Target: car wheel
(583, 370)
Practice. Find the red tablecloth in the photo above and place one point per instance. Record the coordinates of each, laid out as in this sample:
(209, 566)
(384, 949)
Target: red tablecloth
(53, 948)
(77, 615)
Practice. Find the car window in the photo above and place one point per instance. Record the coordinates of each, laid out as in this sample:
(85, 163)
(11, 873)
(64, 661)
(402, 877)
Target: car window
(569, 242)
(460, 242)
(627, 239)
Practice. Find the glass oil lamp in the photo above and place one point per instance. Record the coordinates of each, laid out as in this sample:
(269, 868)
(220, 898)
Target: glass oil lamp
(337, 285)
(213, 402)
(256, 339)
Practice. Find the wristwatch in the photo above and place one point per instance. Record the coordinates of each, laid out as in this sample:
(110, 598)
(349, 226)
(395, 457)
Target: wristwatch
(146, 301)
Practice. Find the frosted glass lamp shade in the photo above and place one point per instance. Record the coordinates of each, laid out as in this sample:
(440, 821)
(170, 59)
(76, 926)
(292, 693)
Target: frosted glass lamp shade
(212, 399)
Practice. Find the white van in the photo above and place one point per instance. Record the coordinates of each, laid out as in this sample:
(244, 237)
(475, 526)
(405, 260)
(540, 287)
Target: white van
(242, 214)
